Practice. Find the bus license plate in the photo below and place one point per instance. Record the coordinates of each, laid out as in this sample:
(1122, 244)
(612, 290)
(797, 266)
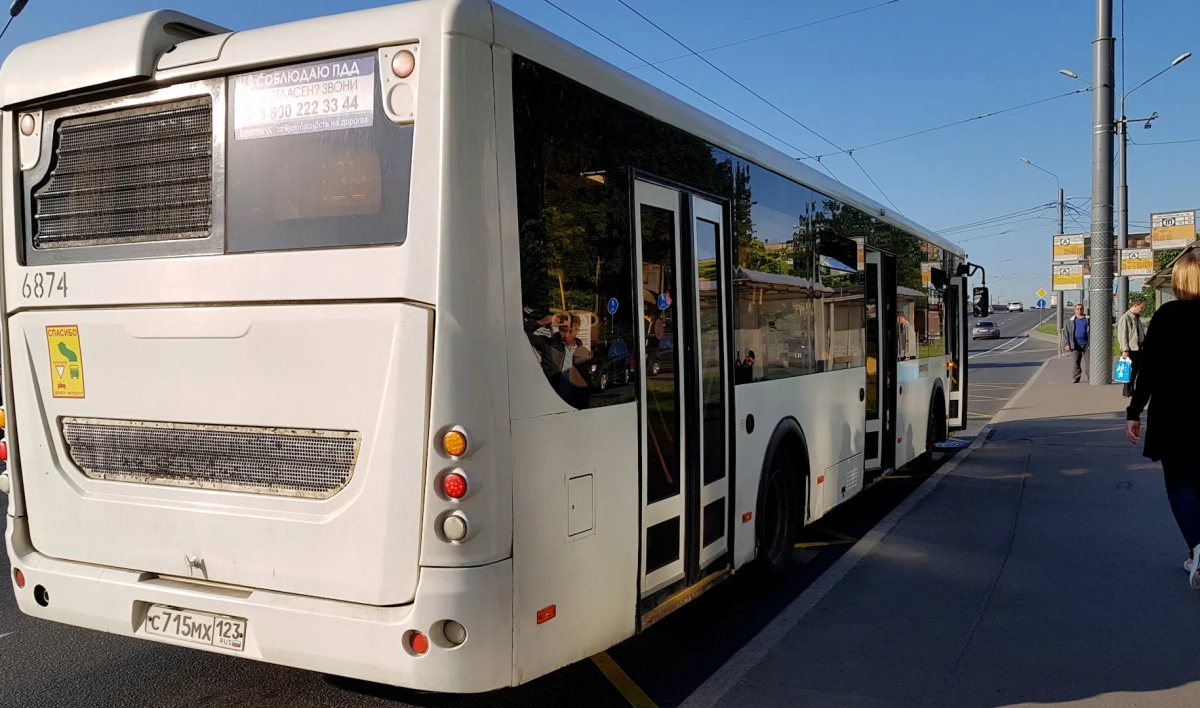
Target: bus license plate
(196, 627)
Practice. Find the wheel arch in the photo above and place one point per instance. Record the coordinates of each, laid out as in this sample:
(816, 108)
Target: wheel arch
(789, 437)
(939, 397)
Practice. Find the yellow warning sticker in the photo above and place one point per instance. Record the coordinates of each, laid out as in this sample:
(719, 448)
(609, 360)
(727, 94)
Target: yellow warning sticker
(66, 361)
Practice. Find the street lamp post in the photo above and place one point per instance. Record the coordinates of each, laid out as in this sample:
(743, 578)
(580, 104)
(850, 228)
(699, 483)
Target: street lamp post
(1059, 308)
(1123, 188)
(1122, 128)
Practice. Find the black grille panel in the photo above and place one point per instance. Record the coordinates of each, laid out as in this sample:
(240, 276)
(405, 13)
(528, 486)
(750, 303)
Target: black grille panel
(304, 463)
(133, 176)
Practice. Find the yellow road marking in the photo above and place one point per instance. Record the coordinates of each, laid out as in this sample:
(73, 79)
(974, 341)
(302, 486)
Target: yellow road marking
(977, 415)
(835, 534)
(822, 544)
(840, 539)
(621, 681)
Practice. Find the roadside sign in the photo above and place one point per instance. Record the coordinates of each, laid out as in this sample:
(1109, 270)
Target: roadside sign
(1068, 247)
(1041, 292)
(1067, 277)
(1041, 304)
(1137, 261)
(1174, 229)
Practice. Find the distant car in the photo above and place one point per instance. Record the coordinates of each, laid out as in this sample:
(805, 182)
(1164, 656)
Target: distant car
(661, 356)
(614, 368)
(985, 330)
(1016, 307)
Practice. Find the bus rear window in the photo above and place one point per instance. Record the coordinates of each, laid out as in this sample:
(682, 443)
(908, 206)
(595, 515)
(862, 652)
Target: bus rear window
(312, 161)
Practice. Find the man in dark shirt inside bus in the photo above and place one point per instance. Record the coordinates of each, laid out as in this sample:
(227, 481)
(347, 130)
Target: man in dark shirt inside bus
(561, 354)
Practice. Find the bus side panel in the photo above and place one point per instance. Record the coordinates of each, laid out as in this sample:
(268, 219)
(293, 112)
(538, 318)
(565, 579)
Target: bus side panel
(470, 381)
(575, 505)
(829, 411)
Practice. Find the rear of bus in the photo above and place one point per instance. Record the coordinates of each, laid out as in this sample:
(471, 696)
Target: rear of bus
(248, 281)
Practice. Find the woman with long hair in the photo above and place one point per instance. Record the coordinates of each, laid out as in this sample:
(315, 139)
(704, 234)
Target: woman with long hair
(1169, 381)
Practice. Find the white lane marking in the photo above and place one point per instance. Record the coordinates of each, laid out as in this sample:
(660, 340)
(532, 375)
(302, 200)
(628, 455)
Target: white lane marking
(733, 671)
(7, 634)
(1015, 344)
(1011, 349)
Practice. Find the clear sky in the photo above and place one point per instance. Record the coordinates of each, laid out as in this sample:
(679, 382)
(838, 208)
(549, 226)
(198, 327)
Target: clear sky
(902, 67)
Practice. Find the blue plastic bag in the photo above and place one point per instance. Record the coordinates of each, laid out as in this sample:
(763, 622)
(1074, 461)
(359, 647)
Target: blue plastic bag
(1123, 370)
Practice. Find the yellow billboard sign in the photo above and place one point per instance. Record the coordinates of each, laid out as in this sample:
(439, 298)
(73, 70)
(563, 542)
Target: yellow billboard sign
(1069, 247)
(1137, 262)
(1174, 229)
(1067, 277)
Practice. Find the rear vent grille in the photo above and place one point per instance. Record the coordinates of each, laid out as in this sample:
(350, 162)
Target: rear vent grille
(298, 463)
(132, 176)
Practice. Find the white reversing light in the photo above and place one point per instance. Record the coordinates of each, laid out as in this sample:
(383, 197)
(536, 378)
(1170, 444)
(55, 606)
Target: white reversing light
(403, 64)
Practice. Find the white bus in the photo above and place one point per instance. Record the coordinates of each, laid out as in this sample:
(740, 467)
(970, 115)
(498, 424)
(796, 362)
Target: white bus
(419, 346)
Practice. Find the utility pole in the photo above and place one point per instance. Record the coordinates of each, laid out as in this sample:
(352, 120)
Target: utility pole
(1100, 297)
(1059, 308)
(1122, 208)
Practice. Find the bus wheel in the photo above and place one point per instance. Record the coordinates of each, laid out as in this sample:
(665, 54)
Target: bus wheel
(935, 429)
(778, 512)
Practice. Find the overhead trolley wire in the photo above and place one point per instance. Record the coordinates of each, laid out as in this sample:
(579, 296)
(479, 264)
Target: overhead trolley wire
(769, 34)
(757, 95)
(637, 56)
(1002, 217)
(951, 124)
(1167, 142)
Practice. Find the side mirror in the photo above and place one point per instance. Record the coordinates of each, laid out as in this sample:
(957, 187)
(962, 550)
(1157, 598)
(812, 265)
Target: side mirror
(982, 303)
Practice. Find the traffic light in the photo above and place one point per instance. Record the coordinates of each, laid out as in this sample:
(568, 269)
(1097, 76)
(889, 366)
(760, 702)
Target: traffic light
(981, 303)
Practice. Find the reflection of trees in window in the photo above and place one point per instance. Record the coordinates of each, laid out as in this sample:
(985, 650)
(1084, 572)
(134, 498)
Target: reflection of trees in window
(574, 152)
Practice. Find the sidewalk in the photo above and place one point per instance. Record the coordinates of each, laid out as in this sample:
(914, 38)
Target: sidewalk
(1045, 568)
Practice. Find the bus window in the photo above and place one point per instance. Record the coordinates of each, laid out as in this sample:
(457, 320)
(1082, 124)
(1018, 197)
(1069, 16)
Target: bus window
(338, 175)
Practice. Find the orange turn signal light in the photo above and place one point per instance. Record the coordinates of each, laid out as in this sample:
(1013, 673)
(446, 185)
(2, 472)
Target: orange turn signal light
(454, 442)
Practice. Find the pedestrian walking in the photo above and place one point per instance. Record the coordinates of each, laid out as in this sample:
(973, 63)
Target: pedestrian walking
(1078, 331)
(1168, 380)
(1129, 337)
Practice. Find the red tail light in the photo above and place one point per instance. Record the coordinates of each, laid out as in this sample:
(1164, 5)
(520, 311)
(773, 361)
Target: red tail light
(454, 485)
(418, 642)
(19, 577)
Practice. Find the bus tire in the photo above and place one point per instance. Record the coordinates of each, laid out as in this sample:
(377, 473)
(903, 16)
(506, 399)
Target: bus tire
(935, 427)
(779, 513)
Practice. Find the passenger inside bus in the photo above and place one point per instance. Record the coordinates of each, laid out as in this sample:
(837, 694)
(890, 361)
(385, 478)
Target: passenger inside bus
(555, 340)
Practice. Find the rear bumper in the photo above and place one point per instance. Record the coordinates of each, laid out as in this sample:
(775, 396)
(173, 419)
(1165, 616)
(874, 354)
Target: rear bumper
(357, 641)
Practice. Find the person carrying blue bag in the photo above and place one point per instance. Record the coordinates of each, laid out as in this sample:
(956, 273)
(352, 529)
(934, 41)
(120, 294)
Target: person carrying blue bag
(1129, 337)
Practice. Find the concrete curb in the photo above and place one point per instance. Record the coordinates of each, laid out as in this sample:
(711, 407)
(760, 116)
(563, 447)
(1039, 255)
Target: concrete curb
(733, 671)
(1042, 336)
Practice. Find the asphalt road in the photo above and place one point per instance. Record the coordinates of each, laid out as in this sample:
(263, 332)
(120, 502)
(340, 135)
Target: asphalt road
(51, 665)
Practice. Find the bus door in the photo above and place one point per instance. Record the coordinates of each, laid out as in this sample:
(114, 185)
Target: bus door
(684, 387)
(880, 278)
(957, 328)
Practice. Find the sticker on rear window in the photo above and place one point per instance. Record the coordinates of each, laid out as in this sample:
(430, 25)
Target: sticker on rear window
(66, 361)
(307, 98)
